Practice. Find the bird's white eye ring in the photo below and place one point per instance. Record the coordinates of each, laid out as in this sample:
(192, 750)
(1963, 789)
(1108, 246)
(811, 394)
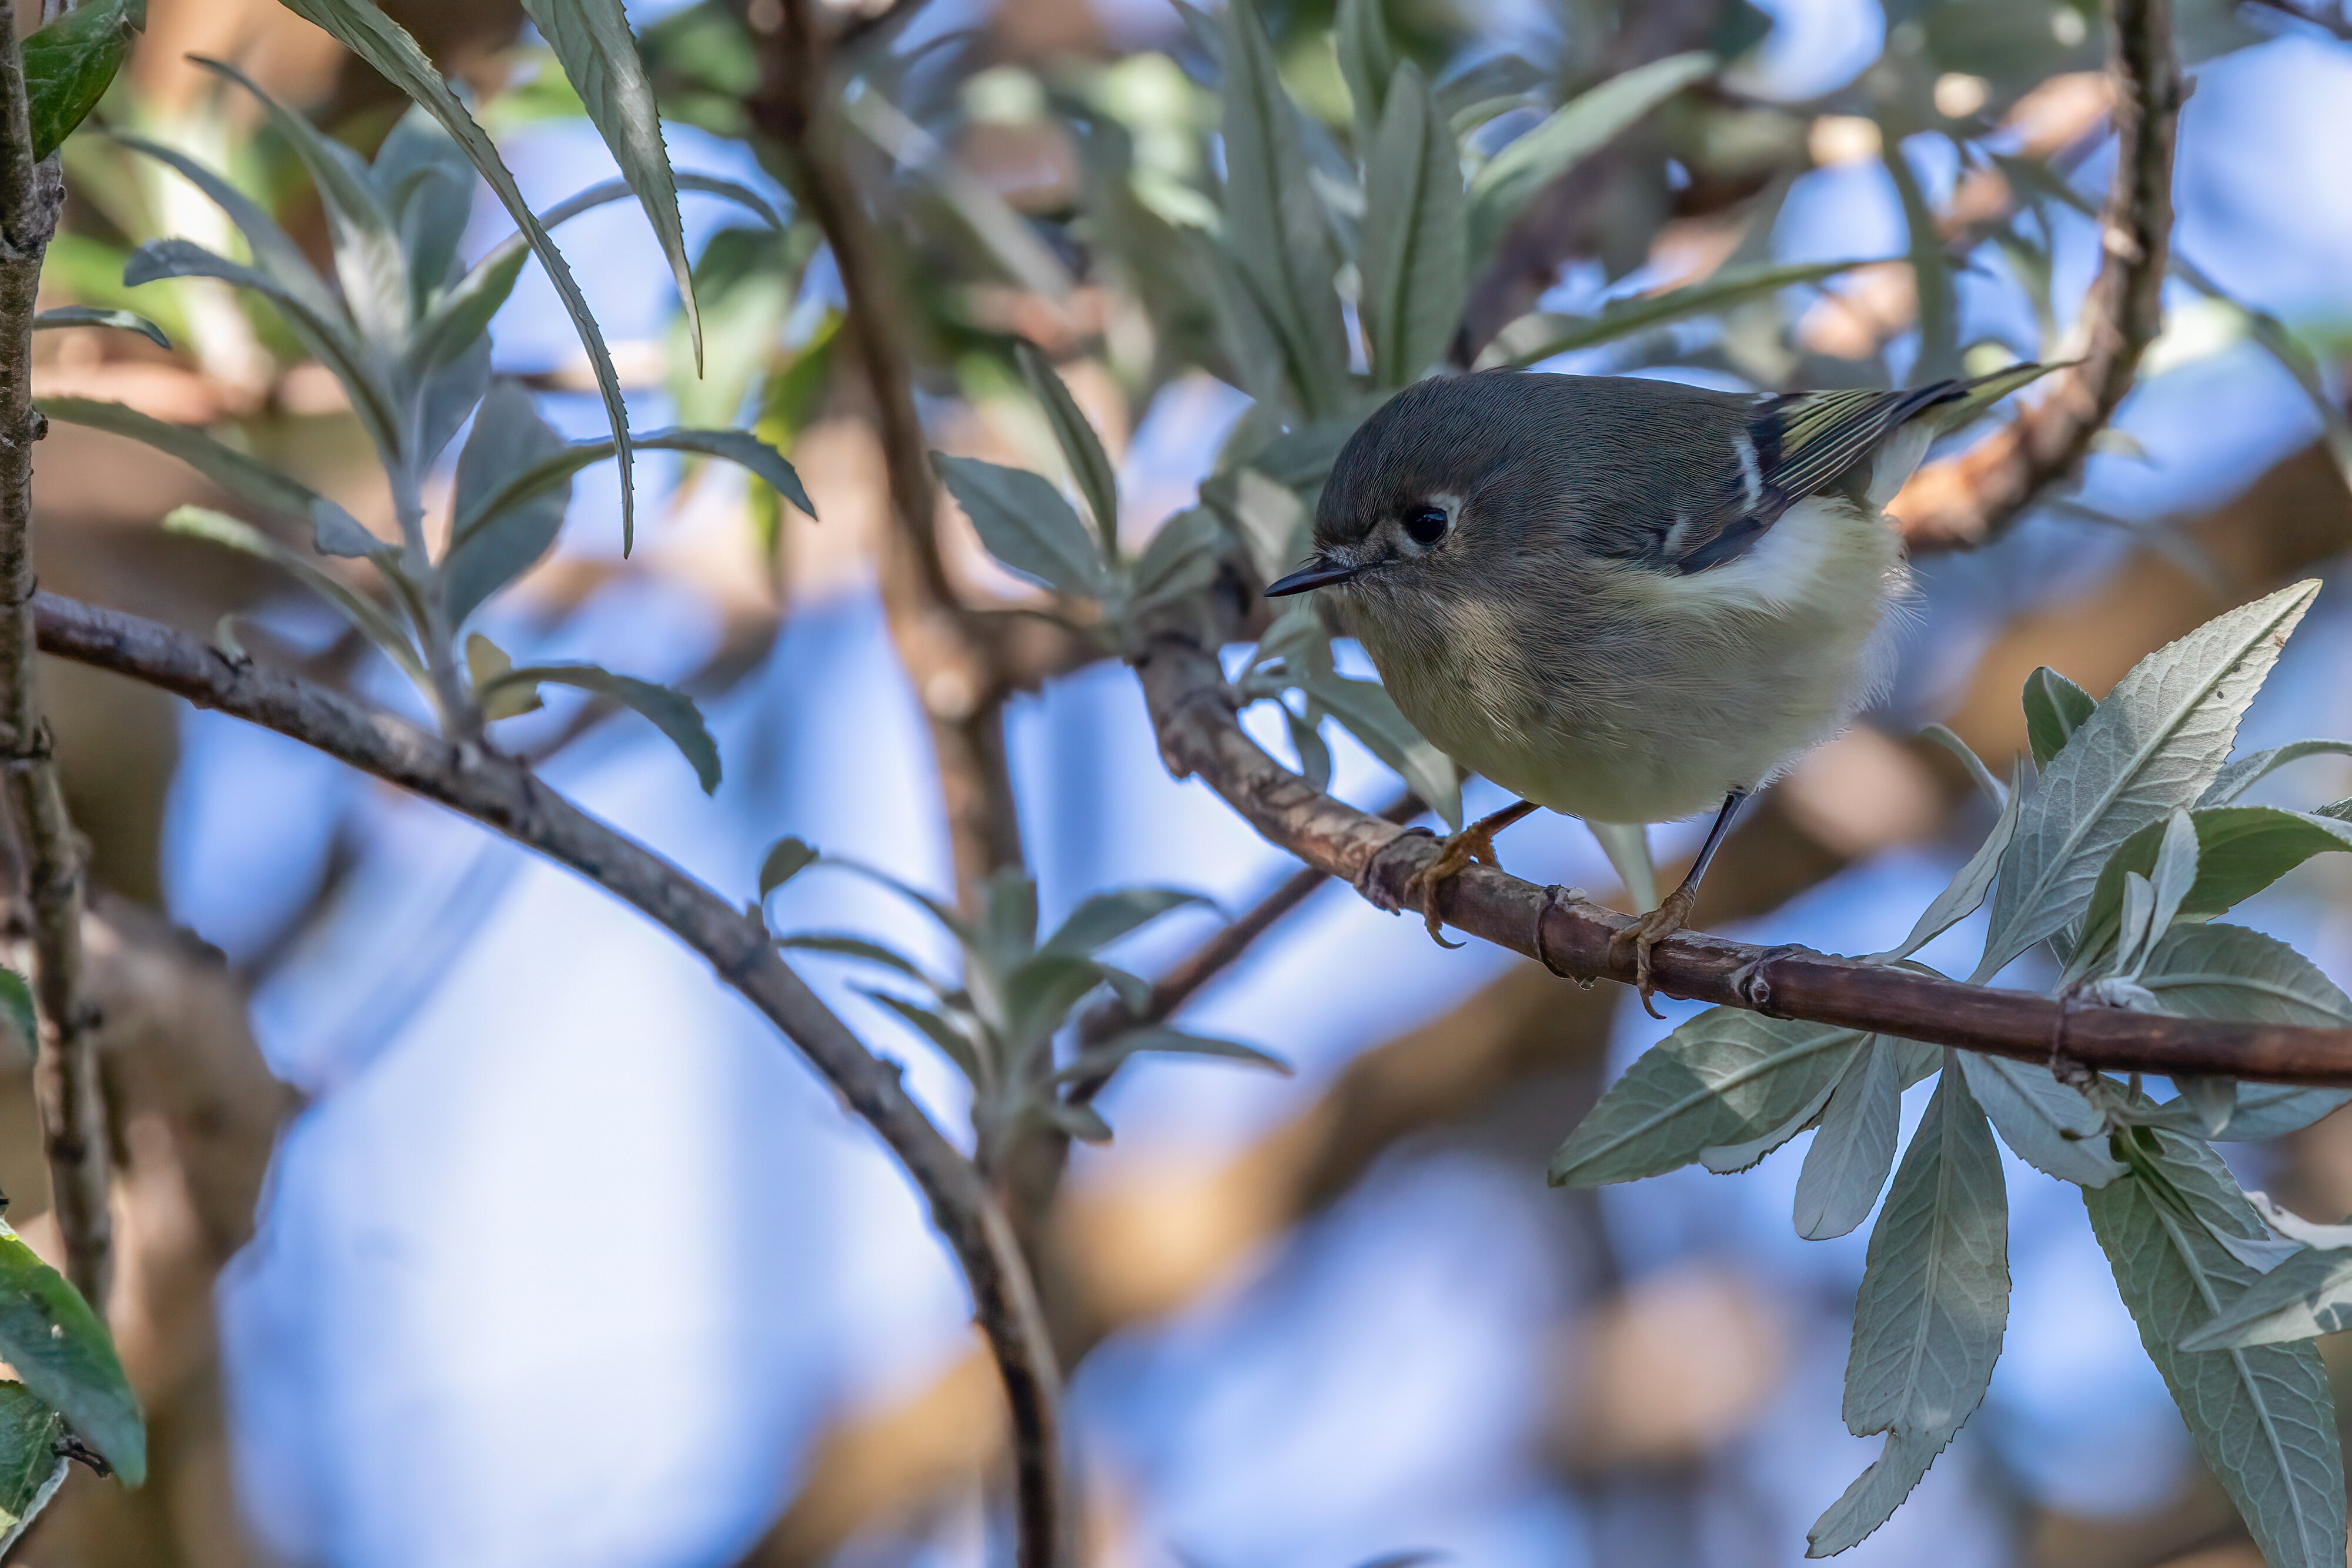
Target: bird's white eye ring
(1426, 525)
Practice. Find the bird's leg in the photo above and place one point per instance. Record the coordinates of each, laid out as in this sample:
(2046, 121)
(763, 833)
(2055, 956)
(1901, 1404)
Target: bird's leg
(1473, 844)
(1669, 916)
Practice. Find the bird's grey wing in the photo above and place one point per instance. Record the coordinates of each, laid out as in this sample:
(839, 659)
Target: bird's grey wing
(1788, 447)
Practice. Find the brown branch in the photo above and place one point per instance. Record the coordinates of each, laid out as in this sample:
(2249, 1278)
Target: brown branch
(958, 671)
(503, 795)
(1970, 499)
(73, 1112)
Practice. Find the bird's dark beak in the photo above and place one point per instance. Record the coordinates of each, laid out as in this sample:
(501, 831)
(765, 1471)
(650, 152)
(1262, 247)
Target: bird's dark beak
(1322, 574)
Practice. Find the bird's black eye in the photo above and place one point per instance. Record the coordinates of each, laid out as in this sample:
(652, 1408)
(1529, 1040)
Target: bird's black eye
(1426, 525)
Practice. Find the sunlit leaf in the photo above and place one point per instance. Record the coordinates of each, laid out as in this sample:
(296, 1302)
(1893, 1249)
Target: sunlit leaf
(31, 1459)
(2248, 771)
(69, 63)
(491, 670)
(61, 1352)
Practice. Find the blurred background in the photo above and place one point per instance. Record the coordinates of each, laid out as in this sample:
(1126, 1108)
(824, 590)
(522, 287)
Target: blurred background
(468, 1222)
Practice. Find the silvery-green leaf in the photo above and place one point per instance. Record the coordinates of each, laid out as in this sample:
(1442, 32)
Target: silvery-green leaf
(1538, 337)
(385, 44)
(1368, 61)
(1180, 559)
(1083, 1123)
(1105, 917)
(491, 546)
(368, 617)
(2055, 709)
(2307, 1295)
(2240, 850)
(1724, 1077)
(1039, 993)
(2223, 971)
(421, 175)
(1928, 1323)
(2263, 1415)
(1966, 891)
(2154, 745)
(95, 315)
(1730, 1159)
(785, 858)
(1413, 256)
(1573, 133)
(61, 1354)
(447, 397)
(2213, 1100)
(2175, 871)
(847, 945)
(274, 254)
(1979, 774)
(672, 711)
(2132, 924)
(2248, 771)
(334, 530)
(1267, 514)
(323, 334)
(32, 1461)
(951, 1041)
(1008, 926)
(1627, 845)
(2051, 1127)
(1850, 1154)
(1306, 738)
(1026, 524)
(592, 40)
(1371, 716)
(363, 237)
(550, 472)
(68, 64)
(1082, 449)
(1162, 1039)
(1274, 222)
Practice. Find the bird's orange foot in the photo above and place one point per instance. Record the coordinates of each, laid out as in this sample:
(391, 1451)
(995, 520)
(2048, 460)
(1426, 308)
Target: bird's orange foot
(1474, 845)
(1649, 931)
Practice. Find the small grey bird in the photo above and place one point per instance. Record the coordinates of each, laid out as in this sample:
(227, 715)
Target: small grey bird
(1628, 601)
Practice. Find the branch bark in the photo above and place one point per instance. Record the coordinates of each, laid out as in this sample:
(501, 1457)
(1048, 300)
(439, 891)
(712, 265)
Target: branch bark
(1971, 498)
(503, 795)
(73, 1111)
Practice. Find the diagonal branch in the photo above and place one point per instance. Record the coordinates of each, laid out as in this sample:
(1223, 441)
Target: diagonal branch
(504, 795)
(1970, 499)
(1199, 736)
(73, 1114)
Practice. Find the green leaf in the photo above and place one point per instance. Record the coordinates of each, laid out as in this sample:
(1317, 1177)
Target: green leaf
(1025, 524)
(1850, 1154)
(1368, 61)
(365, 241)
(490, 669)
(1723, 1078)
(1532, 339)
(551, 469)
(1105, 917)
(31, 1459)
(2055, 709)
(2261, 1416)
(1039, 993)
(1090, 465)
(1729, 1159)
(372, 619)
(332, 529)
(96, 316)
(2155, 745)
(1008, 923)
(1160, 1039)
(1083, 1123)
(61, 1352)
(671, 711)
(503, 526)
(592, 40)
(1969, 884)
(1274, 222)
(17, 1008)
(786, 859)
(1371, 716)
(2308, 1295)
(843, 944)
(385, 44)
(1573, 133)
(1928, 1323)
(423, 177)
(1413, 255)
(2240, 850)
(2224, 971)
(322, 333)
(953, 1043)
(2053, 1128)
(1180, 559)
(2248, 771)
(1979, 774)
(69, 63)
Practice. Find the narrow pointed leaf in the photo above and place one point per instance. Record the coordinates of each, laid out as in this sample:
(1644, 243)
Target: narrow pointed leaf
(1723, 1078)
(372, 619)
(1966, 891)
(2051, 1127)
(1368, 61)
(1847, 1163)
(1026, 525)
(1082, 449)
(672, 711)
(843, 944)
(1163, 1040)
(96, 316)
(1105, 917)
(785, 858)
(1993, 789)
(951, 1041)
(2248, 771)
(69, 63)
(2261, 1416)
(1533, 338)
(2240, 850)
(1414, 251)
(1372, 716)
(2055, 709)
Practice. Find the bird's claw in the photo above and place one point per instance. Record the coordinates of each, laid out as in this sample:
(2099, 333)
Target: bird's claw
(1646, 933)
(1456, 855)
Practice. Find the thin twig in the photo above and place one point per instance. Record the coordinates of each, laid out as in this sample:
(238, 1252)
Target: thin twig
(1970, 499)
(503, 795)
(73, 1112)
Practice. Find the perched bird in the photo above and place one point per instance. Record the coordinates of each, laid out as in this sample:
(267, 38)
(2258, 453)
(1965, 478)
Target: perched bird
(1628, 601)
